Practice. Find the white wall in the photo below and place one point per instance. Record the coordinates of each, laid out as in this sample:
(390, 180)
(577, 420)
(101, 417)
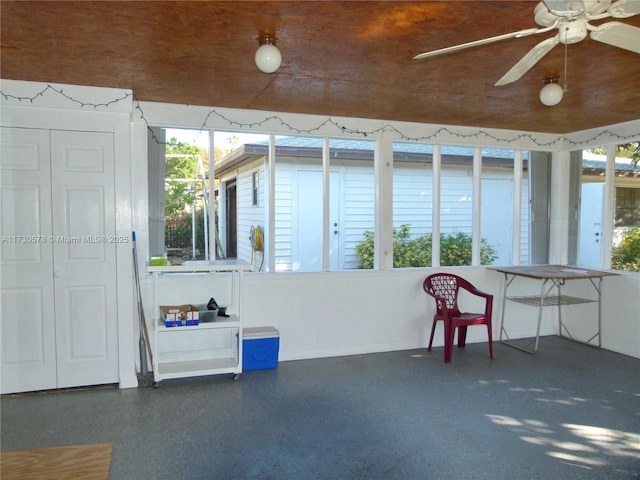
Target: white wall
(342, 313)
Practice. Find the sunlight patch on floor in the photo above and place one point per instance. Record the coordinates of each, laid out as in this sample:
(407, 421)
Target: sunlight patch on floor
(590, 446)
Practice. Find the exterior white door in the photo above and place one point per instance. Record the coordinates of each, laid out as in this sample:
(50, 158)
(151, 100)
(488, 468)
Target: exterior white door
(59, 319)
(84, 257)
(309, 227)
(590, 239)
(28, 355)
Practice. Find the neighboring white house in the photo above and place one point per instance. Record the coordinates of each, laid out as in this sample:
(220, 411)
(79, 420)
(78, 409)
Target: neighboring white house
(299, 205)
(627, 204)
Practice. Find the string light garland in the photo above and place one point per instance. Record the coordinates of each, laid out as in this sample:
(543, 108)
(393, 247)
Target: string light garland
(387, 128)
(330, 122)
(59, 91)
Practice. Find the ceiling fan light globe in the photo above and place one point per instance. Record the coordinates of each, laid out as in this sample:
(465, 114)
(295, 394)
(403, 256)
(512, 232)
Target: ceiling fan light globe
(268, 58)
(551, 94)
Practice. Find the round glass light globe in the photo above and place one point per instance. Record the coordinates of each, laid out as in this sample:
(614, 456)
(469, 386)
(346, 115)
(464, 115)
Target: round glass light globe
(268, 58)
(551, 94)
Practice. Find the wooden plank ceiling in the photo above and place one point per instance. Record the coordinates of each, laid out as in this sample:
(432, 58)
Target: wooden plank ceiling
(339, 58)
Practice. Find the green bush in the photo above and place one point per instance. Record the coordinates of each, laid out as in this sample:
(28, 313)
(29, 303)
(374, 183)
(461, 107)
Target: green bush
(455, 249)
(178, 230)
(626, 256)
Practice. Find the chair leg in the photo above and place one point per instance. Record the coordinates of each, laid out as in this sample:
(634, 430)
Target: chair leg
(448, 341)
(490, 341)
(433, 330)
(462, 336)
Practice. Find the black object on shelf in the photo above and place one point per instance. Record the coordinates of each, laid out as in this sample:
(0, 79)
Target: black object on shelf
(213, 305)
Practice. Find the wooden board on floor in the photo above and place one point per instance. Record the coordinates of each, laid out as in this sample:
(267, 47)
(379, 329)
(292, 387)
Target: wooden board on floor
(89, 462)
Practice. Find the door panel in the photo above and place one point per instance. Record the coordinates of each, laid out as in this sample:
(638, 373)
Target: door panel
(85, 257)
(28, 351)
(87, 325)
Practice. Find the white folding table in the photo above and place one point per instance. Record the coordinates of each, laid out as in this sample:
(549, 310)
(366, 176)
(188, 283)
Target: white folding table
(551, 278)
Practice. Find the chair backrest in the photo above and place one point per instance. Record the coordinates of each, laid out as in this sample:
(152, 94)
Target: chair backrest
(444, 288)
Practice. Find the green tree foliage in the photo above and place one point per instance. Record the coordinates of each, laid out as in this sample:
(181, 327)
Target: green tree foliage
(180, 196)
(181, 167)
(626, 256)
(625, 150)
(455, 249)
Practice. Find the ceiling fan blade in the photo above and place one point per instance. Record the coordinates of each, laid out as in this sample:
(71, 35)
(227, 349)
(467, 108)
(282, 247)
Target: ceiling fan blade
(521, 33)
(528, 61)
(618, 35)
(624, 8)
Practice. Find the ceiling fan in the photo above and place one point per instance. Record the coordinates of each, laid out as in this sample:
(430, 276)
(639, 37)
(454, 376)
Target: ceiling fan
(571, 19)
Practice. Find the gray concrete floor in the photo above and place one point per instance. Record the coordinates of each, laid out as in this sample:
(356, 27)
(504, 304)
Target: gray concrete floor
(569, 412)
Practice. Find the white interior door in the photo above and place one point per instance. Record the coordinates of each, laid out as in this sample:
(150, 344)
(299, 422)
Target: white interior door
(84, 257)
(28, 355)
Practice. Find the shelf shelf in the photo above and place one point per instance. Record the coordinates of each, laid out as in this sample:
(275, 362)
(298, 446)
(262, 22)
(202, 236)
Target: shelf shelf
(221, 322)
(550, 300)
(195, 368)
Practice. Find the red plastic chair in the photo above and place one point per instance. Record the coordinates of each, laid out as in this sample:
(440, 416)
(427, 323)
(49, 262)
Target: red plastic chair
(444, 287)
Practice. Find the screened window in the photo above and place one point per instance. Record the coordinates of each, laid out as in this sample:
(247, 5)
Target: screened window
(412, 205)
(178, 194)
(323, 202)
(456, 205)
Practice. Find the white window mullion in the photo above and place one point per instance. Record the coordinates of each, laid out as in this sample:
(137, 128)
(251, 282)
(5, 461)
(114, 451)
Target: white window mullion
(213, 250)
(271, 226)
(383, 232)
(326, 205)
(476, 202)
(517, 208)
(435, 235)
(608, 208)
(559, 208)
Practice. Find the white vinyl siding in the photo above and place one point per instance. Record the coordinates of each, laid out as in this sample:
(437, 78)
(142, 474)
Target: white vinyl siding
(412, 205)
(456, 195)
(248, 215)
(283, 216)
(413, 197)
(359, 210)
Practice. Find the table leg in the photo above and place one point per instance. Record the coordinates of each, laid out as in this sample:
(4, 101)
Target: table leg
(504, 302)
(540, 309)
(599, 288)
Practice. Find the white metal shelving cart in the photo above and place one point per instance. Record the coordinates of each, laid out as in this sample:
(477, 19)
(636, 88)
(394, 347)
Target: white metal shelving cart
(208, 348)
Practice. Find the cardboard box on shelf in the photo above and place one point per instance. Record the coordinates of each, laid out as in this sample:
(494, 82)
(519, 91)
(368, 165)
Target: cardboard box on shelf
(179, 315)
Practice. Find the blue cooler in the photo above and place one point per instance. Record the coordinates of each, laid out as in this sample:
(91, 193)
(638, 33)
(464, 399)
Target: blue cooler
(260, 346)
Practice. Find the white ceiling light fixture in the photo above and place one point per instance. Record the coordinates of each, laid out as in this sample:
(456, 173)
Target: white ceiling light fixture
(552, 92)
(268, 57)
